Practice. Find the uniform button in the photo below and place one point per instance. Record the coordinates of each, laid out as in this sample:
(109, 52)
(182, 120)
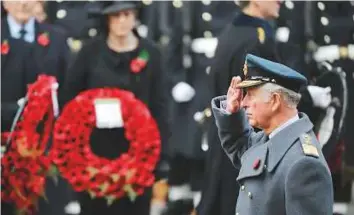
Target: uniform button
(61, 13)
(207, 70)
(289, 5)
(237, 213)
(177, 3)
(249, 195)
(187, 39)
(59, 1)
(206, 16)
(321, 6)
(243, 187)
(164, 40)
(208, 34)
(187, 61)
(206, 2)
(327, 39)
(147, 2)
(324, 21)
(207, 112)
(92, 32)
(75, 45)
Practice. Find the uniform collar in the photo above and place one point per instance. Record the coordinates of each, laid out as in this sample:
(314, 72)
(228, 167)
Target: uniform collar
(243, 19)
(287, 123)
(15, 27)
(278, 147)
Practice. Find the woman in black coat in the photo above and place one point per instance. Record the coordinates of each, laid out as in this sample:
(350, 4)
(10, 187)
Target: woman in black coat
(106, 62)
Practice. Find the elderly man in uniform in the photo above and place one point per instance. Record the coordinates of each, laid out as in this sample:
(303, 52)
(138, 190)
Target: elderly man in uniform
(282, 168)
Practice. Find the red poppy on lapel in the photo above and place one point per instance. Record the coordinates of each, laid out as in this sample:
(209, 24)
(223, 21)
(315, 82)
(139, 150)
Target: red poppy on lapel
(256, 164)
(43, 39)
(5, 48)
(138, 63)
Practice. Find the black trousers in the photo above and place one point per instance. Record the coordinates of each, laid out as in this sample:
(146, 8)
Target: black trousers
(123, 206)
(7, 208)
(185, 170)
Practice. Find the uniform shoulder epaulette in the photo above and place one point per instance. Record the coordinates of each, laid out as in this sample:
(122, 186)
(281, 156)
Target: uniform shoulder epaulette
(261, 35)
(307, 147)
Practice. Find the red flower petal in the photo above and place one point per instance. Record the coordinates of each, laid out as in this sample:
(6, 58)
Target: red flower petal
(256, 164)
(5, 48)
(43, 39)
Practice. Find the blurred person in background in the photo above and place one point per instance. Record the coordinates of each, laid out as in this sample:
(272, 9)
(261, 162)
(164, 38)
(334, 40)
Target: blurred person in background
(50, 55)
(195, 27)
(51, 52)
(17, 71)
(105, 62)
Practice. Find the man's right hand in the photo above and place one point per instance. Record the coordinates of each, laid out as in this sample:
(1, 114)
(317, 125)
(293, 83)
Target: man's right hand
(234, 96)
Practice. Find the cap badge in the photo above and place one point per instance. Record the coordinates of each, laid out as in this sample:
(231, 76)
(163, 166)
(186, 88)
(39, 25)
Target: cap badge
(261, 35)
(245, 69)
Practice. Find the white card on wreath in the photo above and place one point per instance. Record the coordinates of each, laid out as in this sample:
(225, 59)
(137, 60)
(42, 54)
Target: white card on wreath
(108, 113)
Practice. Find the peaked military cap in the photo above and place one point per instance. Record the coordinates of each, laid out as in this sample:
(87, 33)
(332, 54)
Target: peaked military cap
(258, 71)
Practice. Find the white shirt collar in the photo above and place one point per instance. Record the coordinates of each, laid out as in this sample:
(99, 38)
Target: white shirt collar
(287, 123)
(15, 27)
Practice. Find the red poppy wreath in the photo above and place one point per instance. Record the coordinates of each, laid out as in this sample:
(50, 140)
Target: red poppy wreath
(24, 164)
(127, 175)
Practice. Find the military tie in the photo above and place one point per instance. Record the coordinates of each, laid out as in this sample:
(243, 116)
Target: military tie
(267, 138)
(23, 33)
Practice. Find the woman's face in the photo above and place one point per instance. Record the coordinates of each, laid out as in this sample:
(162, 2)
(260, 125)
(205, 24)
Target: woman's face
(121, 23)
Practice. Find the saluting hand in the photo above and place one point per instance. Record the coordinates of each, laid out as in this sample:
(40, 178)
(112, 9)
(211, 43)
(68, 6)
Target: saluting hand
(234, 96)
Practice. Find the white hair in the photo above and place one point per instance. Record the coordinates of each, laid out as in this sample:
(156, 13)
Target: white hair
(291, 98)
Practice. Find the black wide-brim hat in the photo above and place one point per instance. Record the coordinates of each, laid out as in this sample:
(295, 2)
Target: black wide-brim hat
(112, 7)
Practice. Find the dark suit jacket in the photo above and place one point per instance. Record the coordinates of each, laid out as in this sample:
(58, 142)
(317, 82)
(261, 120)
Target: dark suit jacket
(17, 71)
(52, 59)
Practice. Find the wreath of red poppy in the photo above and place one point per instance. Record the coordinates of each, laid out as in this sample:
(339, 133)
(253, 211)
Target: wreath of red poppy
(24, 165)
(127, 175)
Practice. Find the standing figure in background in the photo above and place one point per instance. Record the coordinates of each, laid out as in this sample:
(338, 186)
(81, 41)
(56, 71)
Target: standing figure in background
(329, 28)
(17, 71)
(196, 24)
(51, 56)
(17, 67)
(106, 62)
(289, 35)
(51, 52)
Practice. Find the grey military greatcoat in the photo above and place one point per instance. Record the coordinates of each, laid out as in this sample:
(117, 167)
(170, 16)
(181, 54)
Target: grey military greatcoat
(286, 174)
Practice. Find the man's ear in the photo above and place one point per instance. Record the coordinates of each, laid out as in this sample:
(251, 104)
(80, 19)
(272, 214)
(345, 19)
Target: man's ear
(275, 101)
